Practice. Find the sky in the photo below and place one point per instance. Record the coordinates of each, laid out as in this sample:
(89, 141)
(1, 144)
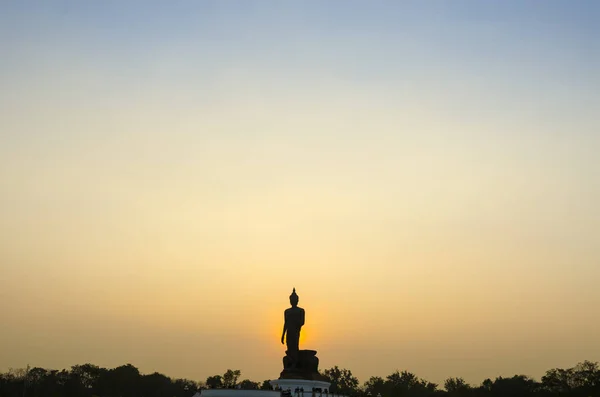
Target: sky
(424, 173)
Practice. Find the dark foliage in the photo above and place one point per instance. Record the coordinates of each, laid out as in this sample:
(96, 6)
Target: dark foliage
(583, 380)
(88, 380)
(342, 380)
(92, 381)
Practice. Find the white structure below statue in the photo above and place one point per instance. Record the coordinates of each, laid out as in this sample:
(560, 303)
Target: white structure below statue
(237, 393)
(294, 385)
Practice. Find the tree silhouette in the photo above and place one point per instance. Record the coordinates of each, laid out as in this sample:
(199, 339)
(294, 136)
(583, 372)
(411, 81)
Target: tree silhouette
(517, 386)
(342, 380)
(247, 384)
(230, 378)
(214, 382)
(457, 387)
(375, 385)
(266, 385)
(408, 384)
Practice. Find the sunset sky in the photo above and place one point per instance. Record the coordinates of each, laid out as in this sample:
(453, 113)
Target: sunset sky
(426, 174)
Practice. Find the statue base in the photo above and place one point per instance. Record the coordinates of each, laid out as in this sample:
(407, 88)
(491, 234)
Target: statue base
(306, 367)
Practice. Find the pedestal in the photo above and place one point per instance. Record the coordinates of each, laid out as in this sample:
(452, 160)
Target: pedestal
(305, 368)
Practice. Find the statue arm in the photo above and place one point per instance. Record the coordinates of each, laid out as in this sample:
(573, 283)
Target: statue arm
(284, 330)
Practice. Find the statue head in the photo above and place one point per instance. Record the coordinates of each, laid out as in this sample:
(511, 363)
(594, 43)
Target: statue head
(294, 298)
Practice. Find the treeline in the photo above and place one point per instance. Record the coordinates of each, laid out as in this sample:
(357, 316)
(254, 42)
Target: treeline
(89, 380)
(583, 380)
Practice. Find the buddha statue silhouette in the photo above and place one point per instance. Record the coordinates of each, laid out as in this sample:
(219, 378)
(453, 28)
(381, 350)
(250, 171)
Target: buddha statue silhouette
(293, 322)
(297, 364)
